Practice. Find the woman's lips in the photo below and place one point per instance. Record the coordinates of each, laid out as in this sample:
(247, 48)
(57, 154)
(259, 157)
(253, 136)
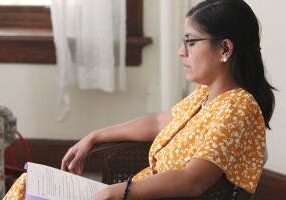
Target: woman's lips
(187, 68)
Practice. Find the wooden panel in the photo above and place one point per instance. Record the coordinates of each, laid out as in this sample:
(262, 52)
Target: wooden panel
(26, 34)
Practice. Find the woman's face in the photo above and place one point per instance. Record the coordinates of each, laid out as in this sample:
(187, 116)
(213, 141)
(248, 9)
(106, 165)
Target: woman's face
(201, 60)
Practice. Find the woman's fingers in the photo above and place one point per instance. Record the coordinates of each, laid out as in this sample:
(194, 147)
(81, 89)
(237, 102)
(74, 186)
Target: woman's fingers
(79, 169)
(67, 160)
(75, 164)
(73, 160)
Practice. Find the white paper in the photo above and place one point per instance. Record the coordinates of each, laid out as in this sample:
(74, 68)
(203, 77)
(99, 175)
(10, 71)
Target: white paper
(49, 183)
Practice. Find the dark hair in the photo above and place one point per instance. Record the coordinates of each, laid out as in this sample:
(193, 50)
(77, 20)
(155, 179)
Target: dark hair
(235, 20)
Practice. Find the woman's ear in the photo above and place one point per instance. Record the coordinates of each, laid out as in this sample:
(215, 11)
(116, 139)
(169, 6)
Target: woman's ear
(226, 50)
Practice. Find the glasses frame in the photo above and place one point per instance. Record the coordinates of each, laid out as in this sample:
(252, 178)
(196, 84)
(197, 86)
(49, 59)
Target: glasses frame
(187, 41)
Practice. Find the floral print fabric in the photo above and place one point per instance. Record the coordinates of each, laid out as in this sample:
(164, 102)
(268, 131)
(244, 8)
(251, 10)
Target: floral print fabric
(17, 191)
(228, 132)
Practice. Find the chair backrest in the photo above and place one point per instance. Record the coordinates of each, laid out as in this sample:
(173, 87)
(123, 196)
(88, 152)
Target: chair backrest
(122, 160)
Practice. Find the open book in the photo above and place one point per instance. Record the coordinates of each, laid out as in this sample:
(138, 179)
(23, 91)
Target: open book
(49, 183)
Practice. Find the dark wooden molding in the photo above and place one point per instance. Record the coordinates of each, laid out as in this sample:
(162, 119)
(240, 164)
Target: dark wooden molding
(26, 17)
(134, 18)
(272, 185)
(26, 34)
(27, 47)
(47, 152)
(134, 48)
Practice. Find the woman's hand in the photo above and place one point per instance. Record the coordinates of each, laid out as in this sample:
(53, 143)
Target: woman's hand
(112, 192)
(104, 194)
(73, 161)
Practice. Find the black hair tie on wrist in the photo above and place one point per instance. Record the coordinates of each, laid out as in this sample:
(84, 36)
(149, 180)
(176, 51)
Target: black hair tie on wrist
(126, 191)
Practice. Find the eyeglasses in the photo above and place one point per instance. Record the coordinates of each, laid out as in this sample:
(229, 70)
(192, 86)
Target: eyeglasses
(188, 43)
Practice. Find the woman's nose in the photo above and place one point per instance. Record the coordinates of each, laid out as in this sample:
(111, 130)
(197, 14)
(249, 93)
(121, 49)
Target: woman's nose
(181, 51)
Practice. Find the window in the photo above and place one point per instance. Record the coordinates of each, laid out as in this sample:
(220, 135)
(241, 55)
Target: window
(26, 32)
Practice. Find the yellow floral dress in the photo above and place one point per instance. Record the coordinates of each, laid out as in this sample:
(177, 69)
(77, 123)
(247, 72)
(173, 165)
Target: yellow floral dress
(17, 191)
(228, 132)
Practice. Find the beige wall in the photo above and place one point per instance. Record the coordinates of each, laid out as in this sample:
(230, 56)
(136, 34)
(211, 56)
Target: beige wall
(272, 18)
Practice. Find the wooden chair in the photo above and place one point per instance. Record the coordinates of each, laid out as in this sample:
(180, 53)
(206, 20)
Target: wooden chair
(124, 159)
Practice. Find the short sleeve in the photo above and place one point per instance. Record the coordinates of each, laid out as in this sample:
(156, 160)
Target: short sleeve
(17, 190)
(235, 142)
(142, 174)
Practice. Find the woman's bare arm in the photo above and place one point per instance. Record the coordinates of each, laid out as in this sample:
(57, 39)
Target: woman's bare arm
(141, 129)
(144, 128)
(195, 179)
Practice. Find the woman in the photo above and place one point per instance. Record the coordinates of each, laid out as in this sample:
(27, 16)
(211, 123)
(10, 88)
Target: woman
(217, 130)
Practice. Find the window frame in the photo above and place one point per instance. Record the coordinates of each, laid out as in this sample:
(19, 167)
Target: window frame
(26, 34)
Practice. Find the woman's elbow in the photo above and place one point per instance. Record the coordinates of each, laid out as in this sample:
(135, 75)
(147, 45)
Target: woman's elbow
(196, 190)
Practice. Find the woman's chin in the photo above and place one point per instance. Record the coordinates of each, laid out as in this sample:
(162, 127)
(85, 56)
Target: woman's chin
(189, 77)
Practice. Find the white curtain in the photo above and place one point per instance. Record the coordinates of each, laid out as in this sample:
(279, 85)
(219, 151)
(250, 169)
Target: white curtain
(90, 40)
(173, 83)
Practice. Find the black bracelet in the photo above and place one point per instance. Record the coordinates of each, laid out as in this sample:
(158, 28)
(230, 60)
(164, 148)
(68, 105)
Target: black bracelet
(126, 191)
